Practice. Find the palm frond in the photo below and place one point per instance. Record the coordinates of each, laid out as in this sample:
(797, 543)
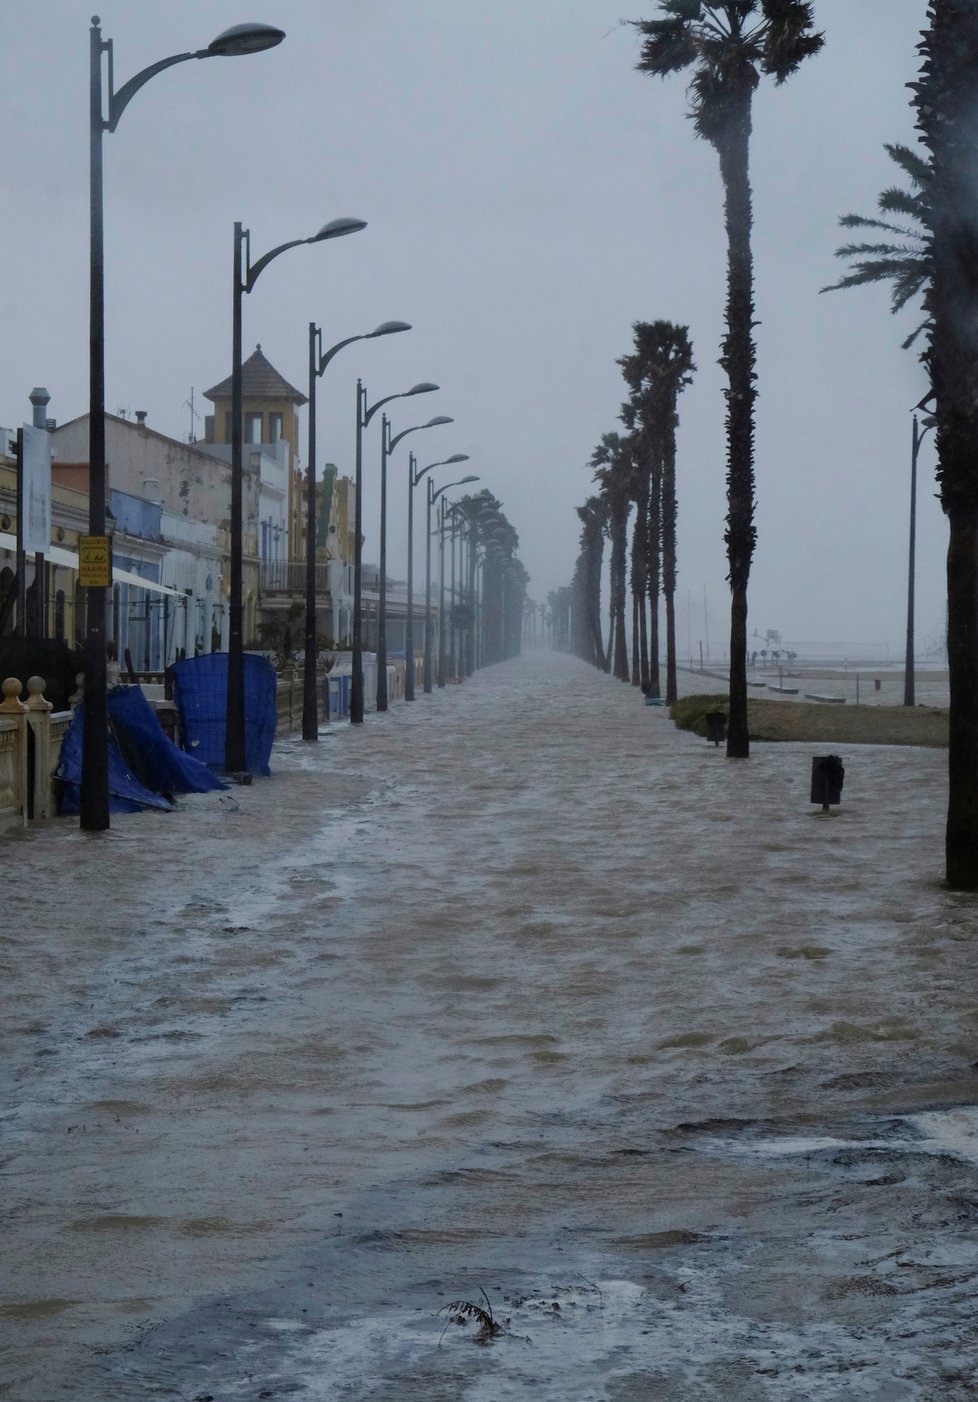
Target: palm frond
(897, 201)
(910, 162)
(789, 38)
(860, 221)
(907, 266)
(924, 326)
(858, 250)
(462, 1311)
(669, 46)
(879, 270)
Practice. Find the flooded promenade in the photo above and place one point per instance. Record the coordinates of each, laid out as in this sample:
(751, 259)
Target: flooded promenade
(516, 995)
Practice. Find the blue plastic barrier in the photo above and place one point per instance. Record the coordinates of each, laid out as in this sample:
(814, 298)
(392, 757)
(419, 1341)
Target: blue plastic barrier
(200, 691)
(337, 696)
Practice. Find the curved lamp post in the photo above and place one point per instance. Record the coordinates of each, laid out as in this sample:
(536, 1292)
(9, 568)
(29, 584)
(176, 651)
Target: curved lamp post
(456, 591)
(240, 39)
(413, 479)
(388, 444)
(364, 415)
(432, 498)
(318, 360)
(246, 274)
(918, 438)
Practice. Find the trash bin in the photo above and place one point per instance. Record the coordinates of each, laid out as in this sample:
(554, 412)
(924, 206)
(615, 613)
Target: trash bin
(828, 775)
(716, 726)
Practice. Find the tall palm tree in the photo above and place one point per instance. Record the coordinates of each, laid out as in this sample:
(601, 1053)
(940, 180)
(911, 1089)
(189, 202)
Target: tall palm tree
(946, 98)
(594, 517)
(904, 259)
(729, 44)
(648, 538)
(657, 372)
(640, 574)
(612, 463)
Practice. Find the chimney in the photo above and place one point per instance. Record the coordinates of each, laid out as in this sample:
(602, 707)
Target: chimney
(141, 417)
(40, 400)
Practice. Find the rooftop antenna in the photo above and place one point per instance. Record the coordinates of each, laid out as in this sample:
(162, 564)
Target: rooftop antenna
(189, 404)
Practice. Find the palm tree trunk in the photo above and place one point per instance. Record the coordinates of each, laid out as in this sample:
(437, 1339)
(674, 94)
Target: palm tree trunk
(635, 672)
(669, 556)
(961, 835)
(945, 101)
(619, 579)
(643, 642)
(640, 577)
(655, 571)
(594, 606)
(738, 360)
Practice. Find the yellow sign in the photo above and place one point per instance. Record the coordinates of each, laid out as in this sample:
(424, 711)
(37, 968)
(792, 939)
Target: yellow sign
(94, 561)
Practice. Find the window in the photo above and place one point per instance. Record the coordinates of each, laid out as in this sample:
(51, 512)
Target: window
(274, 428)
(252, 428)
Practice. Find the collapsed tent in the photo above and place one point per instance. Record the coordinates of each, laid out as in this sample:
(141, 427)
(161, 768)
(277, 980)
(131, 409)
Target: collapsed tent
(145, 767)
(200, 689)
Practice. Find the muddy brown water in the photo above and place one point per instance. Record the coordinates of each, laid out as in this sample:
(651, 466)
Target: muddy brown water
(517, 990)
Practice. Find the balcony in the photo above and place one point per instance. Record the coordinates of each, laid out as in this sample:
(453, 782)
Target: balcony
(289, 577)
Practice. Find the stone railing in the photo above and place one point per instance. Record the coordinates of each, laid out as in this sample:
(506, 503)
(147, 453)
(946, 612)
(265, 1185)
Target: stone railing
(30, 744)
(288, 691)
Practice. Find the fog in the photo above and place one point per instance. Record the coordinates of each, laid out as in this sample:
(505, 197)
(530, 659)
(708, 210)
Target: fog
(528, 195)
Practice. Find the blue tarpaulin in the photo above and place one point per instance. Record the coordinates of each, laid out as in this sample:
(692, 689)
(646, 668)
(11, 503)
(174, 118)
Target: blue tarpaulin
(200, 688)
(144, 765)
(150, 754)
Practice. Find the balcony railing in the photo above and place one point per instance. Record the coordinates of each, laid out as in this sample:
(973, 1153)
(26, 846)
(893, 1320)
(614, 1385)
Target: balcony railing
(289, 577)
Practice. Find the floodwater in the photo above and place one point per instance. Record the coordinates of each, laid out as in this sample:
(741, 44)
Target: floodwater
(517, 997)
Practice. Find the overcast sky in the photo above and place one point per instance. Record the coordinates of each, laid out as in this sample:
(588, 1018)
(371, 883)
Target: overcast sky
(529, 195)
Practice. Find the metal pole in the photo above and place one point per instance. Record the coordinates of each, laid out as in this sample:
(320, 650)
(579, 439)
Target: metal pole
(453, 667)
(470, 636)
(234, 744)
(94, 793)
(409, 629)
(908, 671)
(441, 593)
(427, 598)
(356, 684)
(385, 429)
(310, 700)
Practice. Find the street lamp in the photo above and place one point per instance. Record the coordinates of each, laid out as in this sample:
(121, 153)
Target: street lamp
(918, 438)
(456, 593)
(318, 360)
(364, 415)
(413, 479)
(240, 39)
(432, 498)
(246, 274)
(388, 444)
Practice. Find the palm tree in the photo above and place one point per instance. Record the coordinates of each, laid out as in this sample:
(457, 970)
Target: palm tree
(594, 517)
(946, 97)
(729, 44)
(905, 258)
(640, 575)
(612, 461)
(656, 373)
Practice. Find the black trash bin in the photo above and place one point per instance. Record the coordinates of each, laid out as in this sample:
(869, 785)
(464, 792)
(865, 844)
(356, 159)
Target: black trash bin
(828, 775)
(716, 726)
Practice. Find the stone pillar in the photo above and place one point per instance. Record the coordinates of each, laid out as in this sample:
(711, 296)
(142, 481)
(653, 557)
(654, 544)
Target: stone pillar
(13, 754)
(39, 711)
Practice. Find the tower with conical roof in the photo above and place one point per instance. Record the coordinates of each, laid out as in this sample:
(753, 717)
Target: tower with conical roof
(269, 405)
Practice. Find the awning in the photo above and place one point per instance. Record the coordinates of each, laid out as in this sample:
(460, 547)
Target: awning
(68, 559)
